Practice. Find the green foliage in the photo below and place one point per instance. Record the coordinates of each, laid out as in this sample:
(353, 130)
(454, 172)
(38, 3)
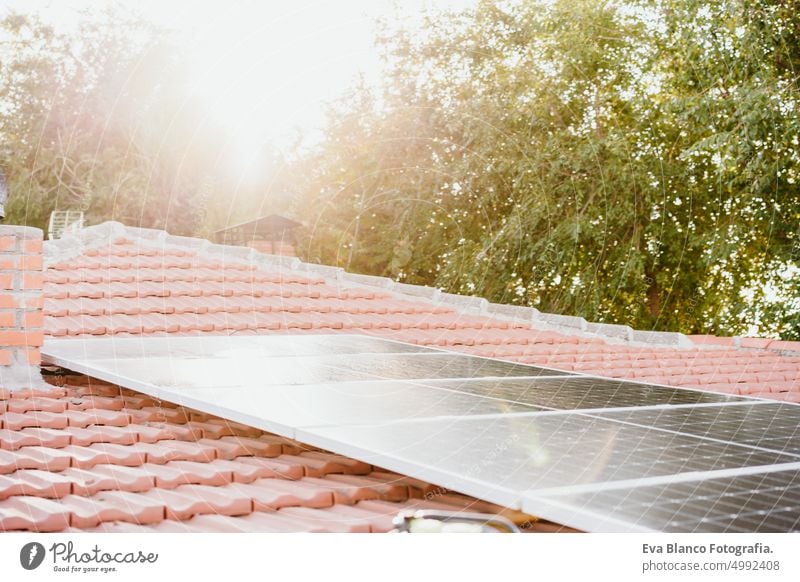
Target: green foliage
(633, 162)
(100, 118)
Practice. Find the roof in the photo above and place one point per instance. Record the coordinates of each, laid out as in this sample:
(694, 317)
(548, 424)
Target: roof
(89, 455)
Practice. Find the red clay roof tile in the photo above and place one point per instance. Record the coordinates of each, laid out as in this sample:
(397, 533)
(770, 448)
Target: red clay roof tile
(34, 483)
(33, 513)
(93, 456)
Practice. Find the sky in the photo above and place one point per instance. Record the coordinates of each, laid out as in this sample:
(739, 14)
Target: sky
(265, 68)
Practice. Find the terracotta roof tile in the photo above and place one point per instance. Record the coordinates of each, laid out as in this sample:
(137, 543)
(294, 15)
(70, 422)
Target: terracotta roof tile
(13, 440)
(176, 473)
(712, 340)
(251, 468)
(106, 477)
(33, 513)
(92, 456)
(35, 483)
(186, 501)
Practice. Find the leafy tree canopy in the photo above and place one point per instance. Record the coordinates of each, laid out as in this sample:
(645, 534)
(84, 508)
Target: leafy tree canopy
(102, 118)
(631, 162)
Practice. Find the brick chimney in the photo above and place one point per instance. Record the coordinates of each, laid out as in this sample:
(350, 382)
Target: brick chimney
(21, 302)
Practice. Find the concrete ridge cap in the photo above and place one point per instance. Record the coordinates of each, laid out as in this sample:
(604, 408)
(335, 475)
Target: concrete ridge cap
(69, 246)
(75, 244)
(325, 271)
(281, 262)
(422, 292)
(615, 334)
(469, 303)
(574, 323)
(508, 312)
(146, 233)
(669, 338)
(369, 280)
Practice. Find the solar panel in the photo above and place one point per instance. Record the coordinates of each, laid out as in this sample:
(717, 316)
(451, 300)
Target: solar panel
(575, 392)
(761, 502)
(768, 426)
(496, 455)
(344, 403)
(245, 370)
(240, 346)
(562, 446)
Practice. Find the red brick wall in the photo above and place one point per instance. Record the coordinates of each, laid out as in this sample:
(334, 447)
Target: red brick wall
(21, 317)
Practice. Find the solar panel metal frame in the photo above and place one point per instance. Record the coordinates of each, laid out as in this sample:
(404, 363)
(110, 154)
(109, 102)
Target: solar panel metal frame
(546, 502)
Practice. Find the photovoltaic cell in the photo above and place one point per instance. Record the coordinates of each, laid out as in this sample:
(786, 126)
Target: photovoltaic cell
(761, 502)
(236, 372)
(575, 392)
(769, 426)
(345, 403)
(237, 346)
(540, 451)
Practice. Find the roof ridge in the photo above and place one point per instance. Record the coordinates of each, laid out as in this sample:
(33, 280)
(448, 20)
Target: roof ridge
(97, 235)
(78, 242)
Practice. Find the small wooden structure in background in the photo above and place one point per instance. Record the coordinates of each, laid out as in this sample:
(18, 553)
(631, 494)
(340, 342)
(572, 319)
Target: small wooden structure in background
(273, 234)
(64, 222)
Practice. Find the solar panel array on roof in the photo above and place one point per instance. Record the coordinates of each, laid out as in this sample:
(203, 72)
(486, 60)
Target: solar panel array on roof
(588, 452)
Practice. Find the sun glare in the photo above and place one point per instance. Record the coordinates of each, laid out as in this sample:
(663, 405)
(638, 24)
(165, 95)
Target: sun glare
(265, 69)
(262, 71)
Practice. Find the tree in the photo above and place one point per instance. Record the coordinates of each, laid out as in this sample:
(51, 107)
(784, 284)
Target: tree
(632, 163)
(97, 119)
